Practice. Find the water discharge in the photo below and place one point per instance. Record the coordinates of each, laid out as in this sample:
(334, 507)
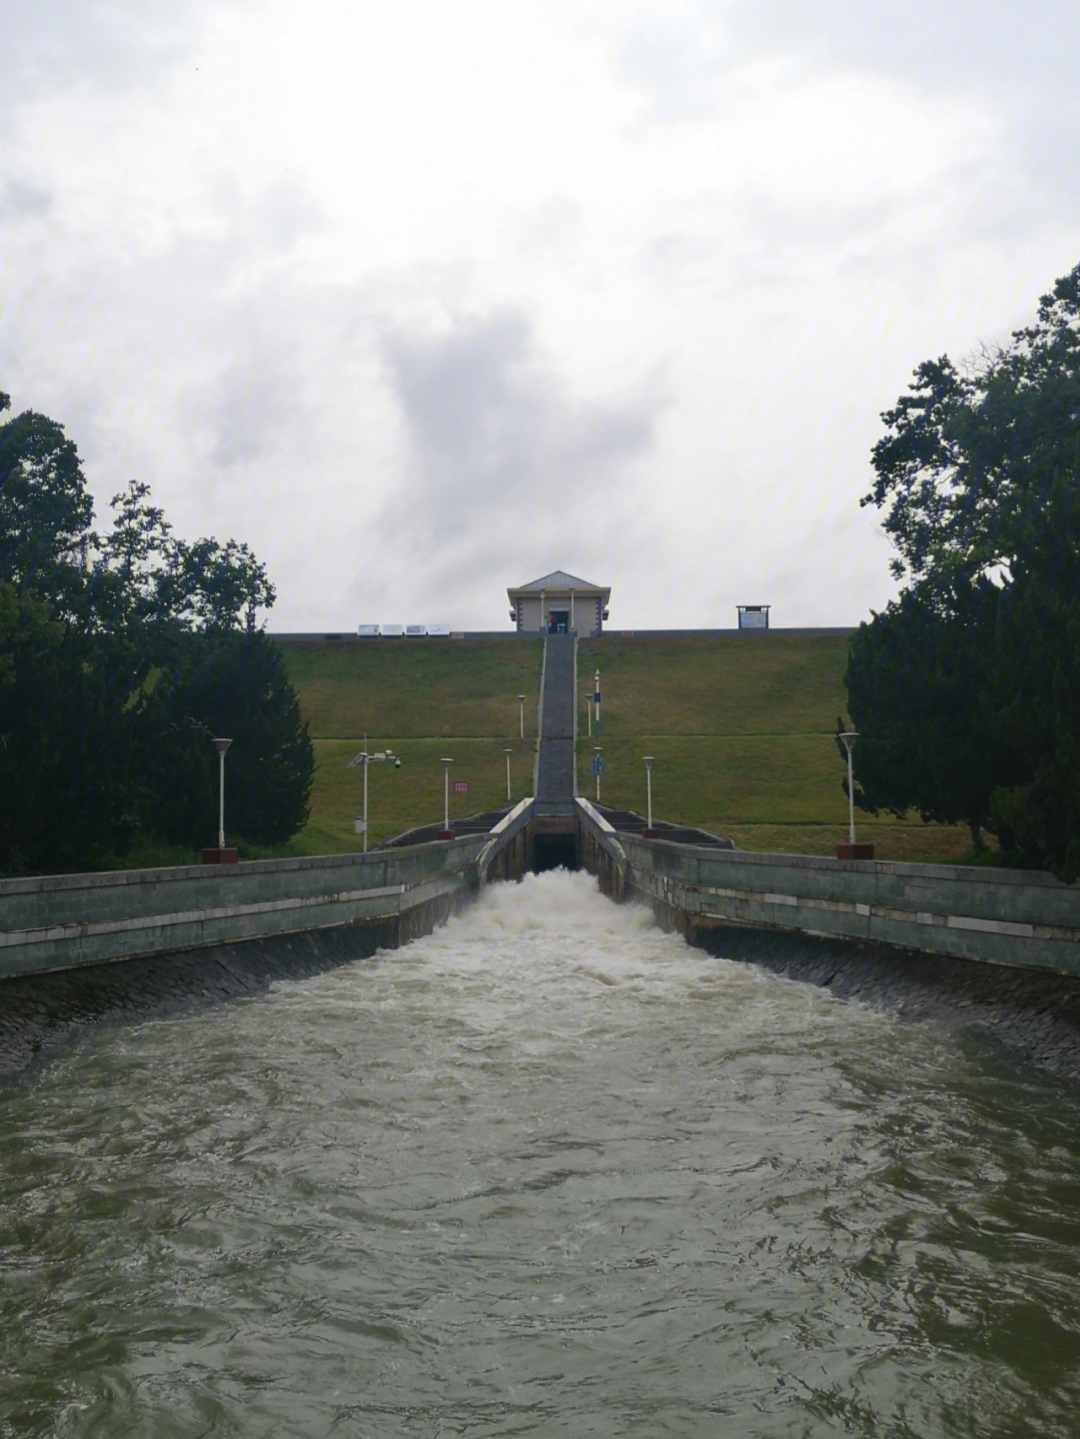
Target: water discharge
(548, 1171)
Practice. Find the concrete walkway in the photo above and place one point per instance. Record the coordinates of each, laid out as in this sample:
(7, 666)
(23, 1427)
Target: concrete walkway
(555, 763)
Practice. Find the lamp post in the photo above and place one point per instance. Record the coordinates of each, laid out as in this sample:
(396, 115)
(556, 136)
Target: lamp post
(221, 745)
(851, 850)
(598, 768)
(648, 832)
(508, 751)
(521, 715)
(364, 758)
(446, 832)
(596, 703)
(849, 739)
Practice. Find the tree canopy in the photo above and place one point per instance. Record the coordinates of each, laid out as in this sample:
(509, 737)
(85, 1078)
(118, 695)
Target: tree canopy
(967, 687)
(121, 653)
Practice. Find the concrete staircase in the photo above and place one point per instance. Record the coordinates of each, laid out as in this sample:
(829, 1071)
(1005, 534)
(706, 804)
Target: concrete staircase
(555, 757)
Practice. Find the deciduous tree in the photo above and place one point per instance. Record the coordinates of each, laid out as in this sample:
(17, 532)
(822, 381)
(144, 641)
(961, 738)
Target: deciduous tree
(978, 479)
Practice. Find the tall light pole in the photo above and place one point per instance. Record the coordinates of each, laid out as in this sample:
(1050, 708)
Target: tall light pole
(521, 714)
(221, 745)
(364, 757)
(447, 832)
(849, 739)
(596, 703)
(508, 751)
(649, 832)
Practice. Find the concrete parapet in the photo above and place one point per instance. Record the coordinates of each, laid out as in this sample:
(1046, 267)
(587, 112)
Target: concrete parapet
(1011, 917)
(914, 938)
(66, 921)
(80, 948)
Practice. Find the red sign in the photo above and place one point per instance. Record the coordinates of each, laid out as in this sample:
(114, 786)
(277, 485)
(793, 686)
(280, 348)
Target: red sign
(461, 786)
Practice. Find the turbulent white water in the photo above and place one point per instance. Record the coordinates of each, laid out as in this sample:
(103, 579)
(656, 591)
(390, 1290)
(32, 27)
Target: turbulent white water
(547, 1171)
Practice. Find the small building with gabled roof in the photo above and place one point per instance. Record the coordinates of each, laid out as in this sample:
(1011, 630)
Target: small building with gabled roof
(559, 604)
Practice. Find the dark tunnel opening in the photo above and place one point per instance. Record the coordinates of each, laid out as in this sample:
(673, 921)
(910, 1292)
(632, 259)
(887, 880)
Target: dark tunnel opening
(554, 851)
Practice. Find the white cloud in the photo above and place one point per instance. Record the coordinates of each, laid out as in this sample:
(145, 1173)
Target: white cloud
(420, 299)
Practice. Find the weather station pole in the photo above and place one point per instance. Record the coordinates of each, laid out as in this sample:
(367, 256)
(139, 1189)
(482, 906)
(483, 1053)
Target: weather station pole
(851, 850)
(364, 760)
(648, 832)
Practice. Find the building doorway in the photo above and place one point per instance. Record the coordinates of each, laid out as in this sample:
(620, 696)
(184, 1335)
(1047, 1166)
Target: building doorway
(559, 622)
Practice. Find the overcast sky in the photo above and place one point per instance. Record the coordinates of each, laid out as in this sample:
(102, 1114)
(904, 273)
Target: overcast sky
(422, 298)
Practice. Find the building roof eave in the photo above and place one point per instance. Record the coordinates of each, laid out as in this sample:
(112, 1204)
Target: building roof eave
(579, 589)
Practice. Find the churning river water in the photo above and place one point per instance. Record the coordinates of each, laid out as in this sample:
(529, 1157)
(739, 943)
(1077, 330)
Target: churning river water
(546, 1172)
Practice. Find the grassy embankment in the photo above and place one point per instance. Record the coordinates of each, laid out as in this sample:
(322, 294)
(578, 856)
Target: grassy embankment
(741, 729)
(423, 698)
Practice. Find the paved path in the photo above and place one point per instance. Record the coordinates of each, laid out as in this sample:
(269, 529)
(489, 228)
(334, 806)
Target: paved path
(555, 771)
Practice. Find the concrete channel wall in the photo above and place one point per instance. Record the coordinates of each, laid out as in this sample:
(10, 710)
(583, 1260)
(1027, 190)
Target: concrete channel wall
(60, 922)
(1009, 917)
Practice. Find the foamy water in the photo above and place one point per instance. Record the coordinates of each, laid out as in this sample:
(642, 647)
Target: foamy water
(547, 1171)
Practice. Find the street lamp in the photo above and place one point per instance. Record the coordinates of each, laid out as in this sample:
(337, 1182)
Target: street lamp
(521, 714)
(363, 758)
(849, 738)
(851, 850)
(596, 703)
(221, 745)
(508, 751)
(649, 832)
(446, 832)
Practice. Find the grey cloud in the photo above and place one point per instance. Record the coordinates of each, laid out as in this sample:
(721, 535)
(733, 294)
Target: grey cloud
(1004, 46)
(1020, 59)
(247, 409)
(20, 201)
(508, 471)
(285, 213)
(118, 43)
(677, 59)
(553, 226)
(1001, 43)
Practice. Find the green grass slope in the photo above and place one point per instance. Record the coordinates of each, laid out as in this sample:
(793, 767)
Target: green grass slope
(741, 730)
(740, 727)
(422, 698)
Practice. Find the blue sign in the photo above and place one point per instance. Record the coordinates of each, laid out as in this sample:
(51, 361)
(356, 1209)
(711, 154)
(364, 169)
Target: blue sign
(598, 764)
